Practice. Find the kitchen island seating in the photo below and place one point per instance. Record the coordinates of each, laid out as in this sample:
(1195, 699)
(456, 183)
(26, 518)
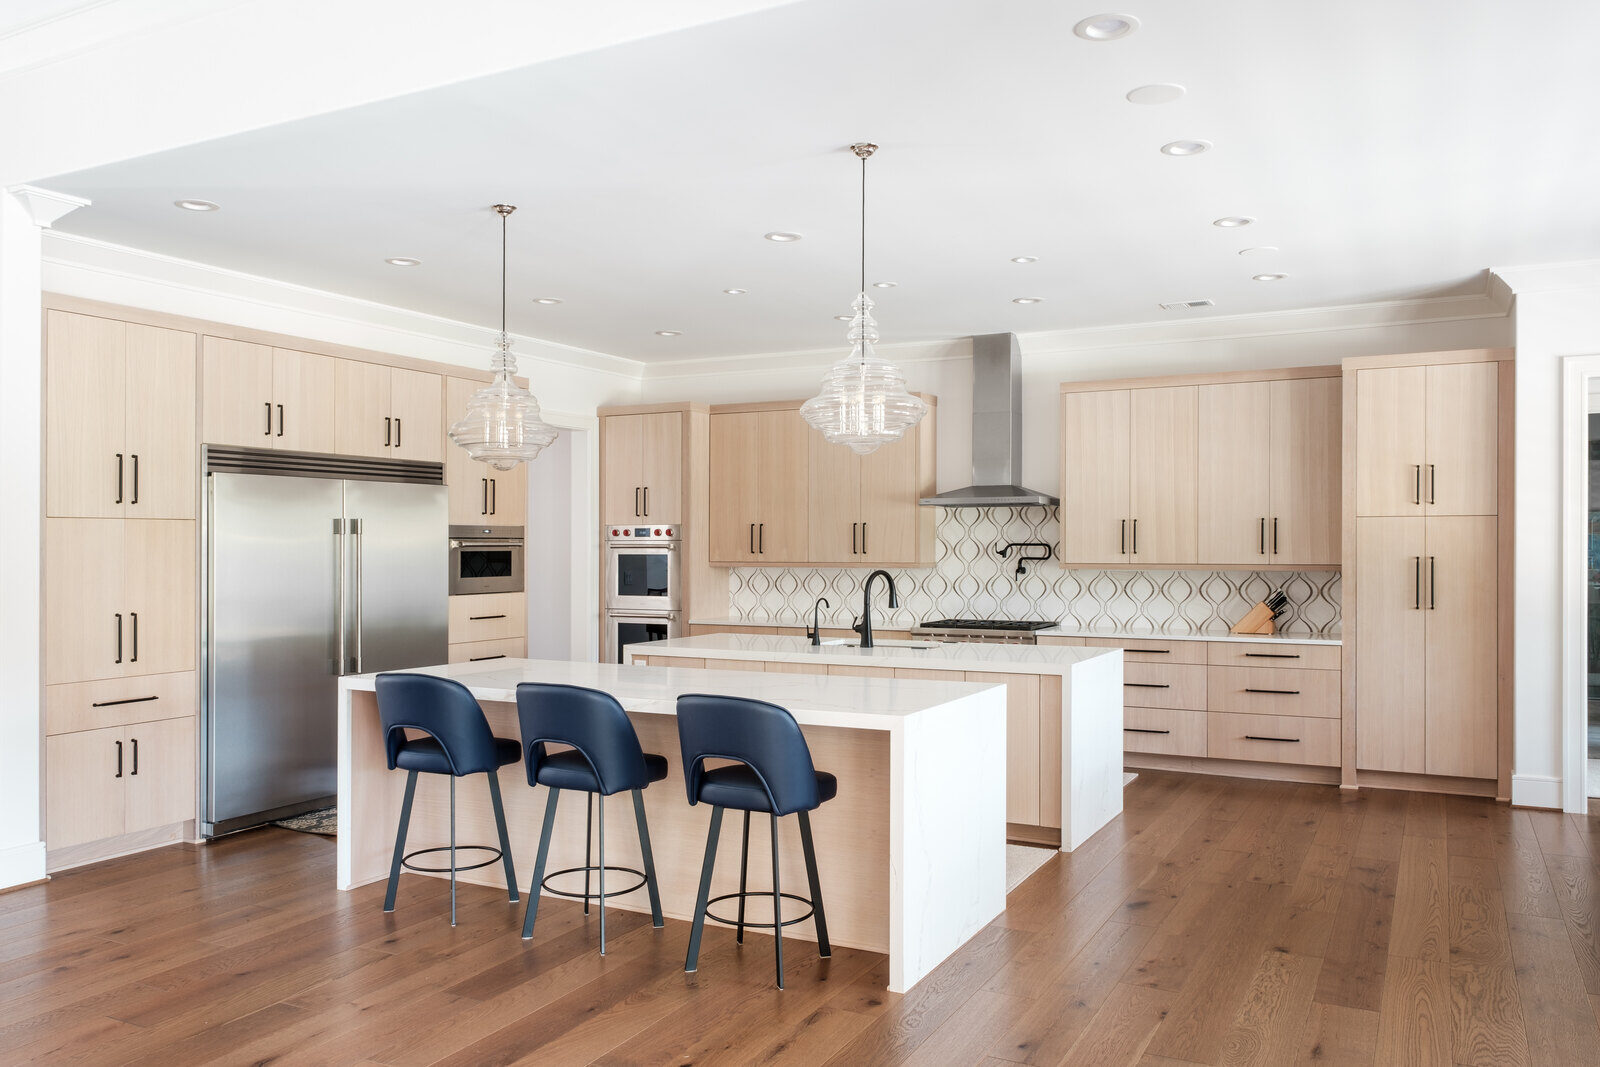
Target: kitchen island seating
(457, 742)
(771, 772)
(602, 756)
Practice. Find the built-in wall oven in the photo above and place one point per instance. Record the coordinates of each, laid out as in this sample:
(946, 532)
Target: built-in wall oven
(485, 559)
(624, 629)
(643, 569)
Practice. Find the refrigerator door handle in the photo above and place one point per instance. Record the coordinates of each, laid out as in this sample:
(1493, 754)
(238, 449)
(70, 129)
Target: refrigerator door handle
(356, 543)
(338, 554)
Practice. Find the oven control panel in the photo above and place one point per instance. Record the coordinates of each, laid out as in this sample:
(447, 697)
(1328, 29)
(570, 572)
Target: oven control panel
(644, 533)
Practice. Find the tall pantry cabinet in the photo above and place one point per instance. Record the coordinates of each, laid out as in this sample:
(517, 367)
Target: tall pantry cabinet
(1427, 573)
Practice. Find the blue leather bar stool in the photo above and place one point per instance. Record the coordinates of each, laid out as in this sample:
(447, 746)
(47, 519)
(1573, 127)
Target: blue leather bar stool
(774, 774)
(603, 757)
(458, 743)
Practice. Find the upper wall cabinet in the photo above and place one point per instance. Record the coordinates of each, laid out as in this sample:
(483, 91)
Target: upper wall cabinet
(1269, 472)
(388, 413)
(760, 462)
(864, 510)
(257, 396)
(1428, 439)
(643, 459)
(479, 494)
(119, 419)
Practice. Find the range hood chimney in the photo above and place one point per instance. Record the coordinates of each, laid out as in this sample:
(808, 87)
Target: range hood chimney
(996, 431)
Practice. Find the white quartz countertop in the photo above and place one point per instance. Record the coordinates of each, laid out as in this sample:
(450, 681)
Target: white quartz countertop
(814, 700)
(996, 658)
(1057, 631)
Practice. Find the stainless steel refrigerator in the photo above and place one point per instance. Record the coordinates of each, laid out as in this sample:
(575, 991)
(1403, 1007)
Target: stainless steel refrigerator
(308, 578)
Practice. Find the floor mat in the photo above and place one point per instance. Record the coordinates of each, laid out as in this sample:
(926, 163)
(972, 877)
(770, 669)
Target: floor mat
(1022, 861)
(324, 821)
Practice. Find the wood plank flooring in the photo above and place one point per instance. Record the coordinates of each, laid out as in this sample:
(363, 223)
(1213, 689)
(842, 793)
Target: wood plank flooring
(1215, 922)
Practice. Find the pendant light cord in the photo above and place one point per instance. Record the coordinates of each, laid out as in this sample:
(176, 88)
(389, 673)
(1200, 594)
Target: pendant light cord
(863, 224)
(503, 218)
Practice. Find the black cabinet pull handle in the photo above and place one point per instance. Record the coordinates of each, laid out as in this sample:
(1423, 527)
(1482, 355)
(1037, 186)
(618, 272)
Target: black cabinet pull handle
(638, 509)
(1135, 537)
(268, 431)
(119, 760)
(397, 432)
(1261, 538)
(1141, 730)
(1416, 489)
(1272, 655)
(1433, 584)
(1416, 583)
(761, 537)
(386, 429)
(752, 538)
(135, 755)
(480, 618)
(135, 657)
(129, 700)
(863, 539)
(1280, 692)
(1289, 740)
(647, 501)
(1146, 685)
(498, 655)
(485, 510)
(1124, 537)
(1432, 484)
(1274, 535)
(854, 538)
(119, 637)
(135, 499)
(1151, 651)
(119, 479)
(280, 420)
(494, 496)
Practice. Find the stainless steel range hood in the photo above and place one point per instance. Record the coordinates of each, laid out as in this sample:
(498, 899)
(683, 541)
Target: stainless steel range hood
(996, 431)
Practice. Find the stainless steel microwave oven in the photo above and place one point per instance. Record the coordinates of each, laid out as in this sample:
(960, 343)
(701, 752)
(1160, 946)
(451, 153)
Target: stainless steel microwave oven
(485, 559)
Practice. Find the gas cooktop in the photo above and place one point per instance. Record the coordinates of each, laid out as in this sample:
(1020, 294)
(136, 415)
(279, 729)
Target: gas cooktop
(987, 624)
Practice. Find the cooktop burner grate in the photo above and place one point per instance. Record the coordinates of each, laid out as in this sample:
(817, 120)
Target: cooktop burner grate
(987, 624)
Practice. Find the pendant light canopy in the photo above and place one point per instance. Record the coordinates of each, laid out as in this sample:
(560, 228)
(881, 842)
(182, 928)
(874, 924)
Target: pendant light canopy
(502, 425)
(864, 402)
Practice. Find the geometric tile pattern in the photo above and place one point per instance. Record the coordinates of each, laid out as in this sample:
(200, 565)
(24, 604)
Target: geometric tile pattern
(969, 580)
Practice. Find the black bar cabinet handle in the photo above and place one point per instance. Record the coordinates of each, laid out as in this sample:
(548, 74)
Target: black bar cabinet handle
(647, 501)
(1124, 537)
(397, 432)
(1290, 740)
(480, 618)
(1261, 538)
(1433, 584)
(485, 510)
(1274, 535)
(119, 760)
(1146, 685)
(752, 538)
(135, 657)
(494, 496)
(280, 420)
(1416, 583)
(119, 637)
(1280, 692)
(135, 499)
(268, 431)
(1142, 730)
(863, 539)
(135, 755)
(387, 430)
(497, 655)
(854, 538)
(1152, 651)
(1416, 487)
(761, 538)
(1272, 655)
(129, 700)
(119, 479)
(1432, 484)
(1135, 537)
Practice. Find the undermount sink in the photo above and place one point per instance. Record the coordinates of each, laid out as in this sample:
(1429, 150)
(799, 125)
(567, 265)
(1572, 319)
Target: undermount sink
(843, 642)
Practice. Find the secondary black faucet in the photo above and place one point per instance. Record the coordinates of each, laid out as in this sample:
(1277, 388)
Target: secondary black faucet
(864, 628)
(815, 633)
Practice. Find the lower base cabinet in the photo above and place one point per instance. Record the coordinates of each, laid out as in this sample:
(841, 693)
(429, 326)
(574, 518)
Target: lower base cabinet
(119, 780)
(473, 651)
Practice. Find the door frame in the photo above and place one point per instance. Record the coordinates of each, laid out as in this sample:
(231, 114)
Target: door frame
(1576, 373)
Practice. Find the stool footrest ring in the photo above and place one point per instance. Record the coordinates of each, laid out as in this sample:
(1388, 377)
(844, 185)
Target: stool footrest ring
(810, 909)
(494, 857)
(640, 884)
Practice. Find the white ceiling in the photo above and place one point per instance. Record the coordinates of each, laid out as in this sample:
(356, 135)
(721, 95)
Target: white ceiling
(1391, 151)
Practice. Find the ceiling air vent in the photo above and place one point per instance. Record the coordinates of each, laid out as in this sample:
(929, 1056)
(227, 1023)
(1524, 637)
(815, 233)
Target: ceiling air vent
(1185, 305)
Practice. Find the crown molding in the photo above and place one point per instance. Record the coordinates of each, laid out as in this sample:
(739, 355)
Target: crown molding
(1549, 277)
(902, 352)
(183, 277)
(45, 206)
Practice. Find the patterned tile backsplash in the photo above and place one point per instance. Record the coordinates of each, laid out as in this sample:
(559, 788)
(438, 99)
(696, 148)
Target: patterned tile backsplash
(970, 580)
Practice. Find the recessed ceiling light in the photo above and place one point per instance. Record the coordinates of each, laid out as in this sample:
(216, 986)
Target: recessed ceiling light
(196, 205)
(403, 261)
(736, 292)
(1185, 148)
(1106, 27)
(1186, 305)
(1162, 93)
(1024, 259)
(1258, 250)
(1230, 222)
(547, 300)
(781, 236)
(842, 318)
(1269, 277)
(884, 285)
(1026, 299)
(669, 333)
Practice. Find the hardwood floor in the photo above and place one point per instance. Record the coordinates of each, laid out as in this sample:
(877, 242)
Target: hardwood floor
(1215, 922)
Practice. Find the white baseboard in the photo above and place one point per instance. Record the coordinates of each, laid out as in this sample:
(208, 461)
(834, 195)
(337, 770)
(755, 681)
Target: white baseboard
(21, 864)
(1535, 791)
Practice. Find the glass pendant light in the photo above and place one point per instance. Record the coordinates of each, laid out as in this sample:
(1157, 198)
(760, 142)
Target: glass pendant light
(864, 402)
(502, 425)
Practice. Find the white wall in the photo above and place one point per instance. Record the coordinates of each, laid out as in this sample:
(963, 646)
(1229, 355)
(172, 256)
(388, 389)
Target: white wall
(548, 567)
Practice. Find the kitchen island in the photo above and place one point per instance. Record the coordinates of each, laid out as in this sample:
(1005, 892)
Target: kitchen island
(1063, 716)
(911, 853)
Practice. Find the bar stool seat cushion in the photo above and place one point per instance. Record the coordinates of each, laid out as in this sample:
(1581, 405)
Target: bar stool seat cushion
(740, 788)
(427, 755)
(568, 769)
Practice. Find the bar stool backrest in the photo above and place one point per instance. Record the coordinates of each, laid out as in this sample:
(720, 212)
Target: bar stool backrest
(444, 710)
(760, 735)
(590, 721)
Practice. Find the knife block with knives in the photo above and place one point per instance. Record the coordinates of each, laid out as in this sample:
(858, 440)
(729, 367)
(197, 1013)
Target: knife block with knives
(1263, 618)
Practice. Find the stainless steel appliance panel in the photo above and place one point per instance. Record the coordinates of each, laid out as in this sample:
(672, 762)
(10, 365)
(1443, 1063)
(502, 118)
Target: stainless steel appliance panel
(623, 630)
(272, 656)
(397, 575)
(486, 559)
(643, 571)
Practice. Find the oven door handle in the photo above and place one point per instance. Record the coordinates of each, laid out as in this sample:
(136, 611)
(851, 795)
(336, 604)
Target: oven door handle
(486, 544)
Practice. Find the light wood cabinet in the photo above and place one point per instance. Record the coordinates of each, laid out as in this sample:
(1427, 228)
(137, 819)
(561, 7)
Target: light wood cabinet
(488, 617)
(119, 419)
(1235, 470)
(479, 494)
(303, 401)
(1022, 743)
(864, 510)
(119, 598)
(1096, 433)
(1163, 461)
(161, 774)
(257, 396)
(387, 412)
(1305, 482)
(760, 464)
(119, 780)
(417, 400)
(1460, 655)
(1428, 439)
(643, 458)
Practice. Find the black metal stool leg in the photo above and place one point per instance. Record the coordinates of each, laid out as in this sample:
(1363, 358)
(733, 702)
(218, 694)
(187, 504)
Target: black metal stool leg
(588, 855)
(400, 841)
(823, 948)
(777, 904)
(452, 850)
(692, 961)
(602, 897)
(744, 869)
(505, 839)
(538, 864)
(649, 860)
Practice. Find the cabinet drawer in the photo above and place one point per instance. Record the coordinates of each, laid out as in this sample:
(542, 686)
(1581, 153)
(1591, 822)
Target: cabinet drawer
(487, 617)
(118, 701)
(1272, 654)
(1142, 650)
(1273, 738)
(1273, 691)
(471, 651)
(1164, 685)
(1164, 731)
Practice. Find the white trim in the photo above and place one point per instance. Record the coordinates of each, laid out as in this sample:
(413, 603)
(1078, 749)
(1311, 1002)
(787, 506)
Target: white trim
(21, 864)
(1551, 277)
(46, 206)
(1535, 791)
(1576, 373)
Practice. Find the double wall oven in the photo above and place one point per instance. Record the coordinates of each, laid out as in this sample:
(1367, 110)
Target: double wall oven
(643, 587)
